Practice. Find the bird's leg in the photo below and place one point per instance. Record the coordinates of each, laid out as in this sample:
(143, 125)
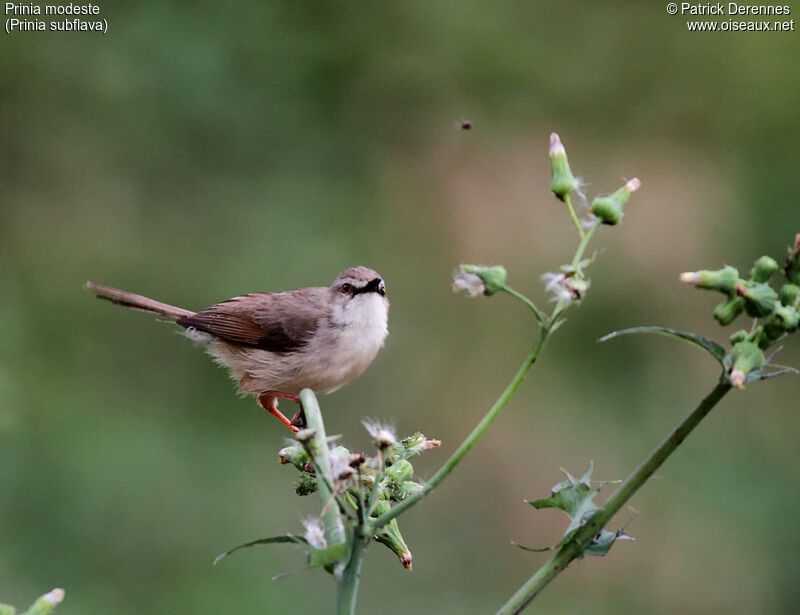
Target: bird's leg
(269, 401)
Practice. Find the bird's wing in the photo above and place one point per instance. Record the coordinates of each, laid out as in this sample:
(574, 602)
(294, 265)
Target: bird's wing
(278, 322)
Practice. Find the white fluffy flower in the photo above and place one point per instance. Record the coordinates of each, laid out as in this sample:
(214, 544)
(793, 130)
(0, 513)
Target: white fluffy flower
(382, 434)
(315, 532)
(471, 283)
(556, 285)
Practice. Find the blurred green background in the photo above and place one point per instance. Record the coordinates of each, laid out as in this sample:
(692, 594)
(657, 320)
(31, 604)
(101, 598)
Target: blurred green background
(201, 150)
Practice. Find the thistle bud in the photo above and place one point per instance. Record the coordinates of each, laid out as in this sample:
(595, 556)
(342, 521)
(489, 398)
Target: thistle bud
(723, 280)
(608, 209)
(409, 487)
(563, 181)
(763, 269)
(790, 293)
(760, 299)
(294, 454)
(492, 279)
(390, 536)
(729, 309)
(792, 268)
(306, 484)
(47, 603)
(400, 471)
(744, 358)
(739, 336)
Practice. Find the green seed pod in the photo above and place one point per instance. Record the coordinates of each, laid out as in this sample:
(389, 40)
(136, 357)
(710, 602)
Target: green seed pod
(763, 269)
(744, 358)
(760, 299)
(563, 181)
(739, 336)
(400, 471)
(408, 488)
(493, 278)
(390, 536)
(790, 294)
(306, 484)
(729, 309)
(724, 280)
(294, 454)
(608, 209)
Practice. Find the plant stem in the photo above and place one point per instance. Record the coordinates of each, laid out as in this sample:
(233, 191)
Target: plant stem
(471, 439)
(334, 528)
(572, 215)
(540, 317)
(348, 585)
(624, 492)
(547, 327)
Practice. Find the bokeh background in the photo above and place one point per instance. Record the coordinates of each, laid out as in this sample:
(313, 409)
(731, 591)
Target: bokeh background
(203, 150)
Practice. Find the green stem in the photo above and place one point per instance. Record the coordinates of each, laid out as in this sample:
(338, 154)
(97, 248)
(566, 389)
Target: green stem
(540, 317)
(348, 585)
(572, 215)
(624, 492)
(471, 439)
(334, 528)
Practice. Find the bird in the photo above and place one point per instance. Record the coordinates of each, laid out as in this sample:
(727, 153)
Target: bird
(276, 344)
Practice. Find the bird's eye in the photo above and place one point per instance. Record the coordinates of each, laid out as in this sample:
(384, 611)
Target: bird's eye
(382, 290)
(346, 289)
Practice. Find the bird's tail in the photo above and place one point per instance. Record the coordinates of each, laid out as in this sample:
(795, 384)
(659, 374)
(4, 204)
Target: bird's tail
(137, 302)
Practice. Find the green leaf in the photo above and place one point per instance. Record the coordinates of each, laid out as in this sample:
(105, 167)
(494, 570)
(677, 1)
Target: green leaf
(262, 541)
(715, 350)
(575, 497)
(316, 557)
(533, 549)
(7, 609)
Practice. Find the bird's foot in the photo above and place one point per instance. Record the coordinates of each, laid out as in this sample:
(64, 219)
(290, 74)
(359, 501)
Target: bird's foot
(269, 401)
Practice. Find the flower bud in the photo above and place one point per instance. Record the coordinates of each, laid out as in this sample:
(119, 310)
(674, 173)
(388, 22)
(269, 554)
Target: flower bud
(739, 336)
(47, 603)
(294, 454)
(763, 269)
(563, 181)
(729, 309)
(760, 299)
(790, 293)
(493, 278)
(792, 267)
(418, 443)
(744, 358)
(306, 484)
(400, 470)
(409, 487)
(724, 280)
(608, 209)
(390, 536)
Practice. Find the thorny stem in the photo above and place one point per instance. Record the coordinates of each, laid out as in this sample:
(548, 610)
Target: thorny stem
(575, 547)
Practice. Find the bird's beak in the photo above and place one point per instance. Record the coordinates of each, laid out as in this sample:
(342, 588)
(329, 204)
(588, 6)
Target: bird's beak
(370, 287)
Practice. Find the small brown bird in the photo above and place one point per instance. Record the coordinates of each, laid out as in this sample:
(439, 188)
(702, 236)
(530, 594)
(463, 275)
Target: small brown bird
(276, 344)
